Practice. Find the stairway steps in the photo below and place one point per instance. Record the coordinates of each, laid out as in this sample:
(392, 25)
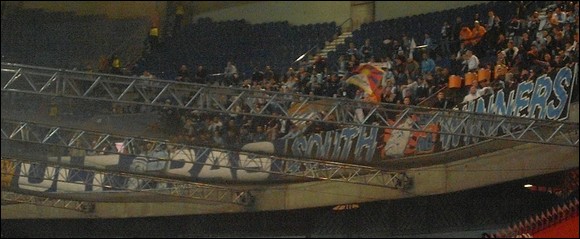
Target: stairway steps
(330, 46)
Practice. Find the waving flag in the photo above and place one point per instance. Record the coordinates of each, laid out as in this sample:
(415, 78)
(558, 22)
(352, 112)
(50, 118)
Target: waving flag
(369, 79)
(373, 73)
(362, 82)
(313, 110)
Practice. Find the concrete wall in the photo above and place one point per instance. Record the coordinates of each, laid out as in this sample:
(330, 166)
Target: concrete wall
(389, 10)
(296, 13)
(112, 9)
(306, 12)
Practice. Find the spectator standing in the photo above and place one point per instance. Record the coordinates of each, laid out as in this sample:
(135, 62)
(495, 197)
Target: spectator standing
(475, 93)
(366, 51)
(179, 13)
(511, 54)
(116, 65)
(200, 75)
(455, 33)
(353, 51)
(183, 74)
(445, 38)
(442, 101)
(257, 75)
(229, 72)
(427, 64)
(431, 46)
(477, 34)
(154, 37)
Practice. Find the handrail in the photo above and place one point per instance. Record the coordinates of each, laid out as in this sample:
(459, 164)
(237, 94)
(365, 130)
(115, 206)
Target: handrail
(366, 105)
(428, 102)
(309, 50)
(348, 19)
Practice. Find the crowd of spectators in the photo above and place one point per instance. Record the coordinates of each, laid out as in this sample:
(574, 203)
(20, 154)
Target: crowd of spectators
(530, 43)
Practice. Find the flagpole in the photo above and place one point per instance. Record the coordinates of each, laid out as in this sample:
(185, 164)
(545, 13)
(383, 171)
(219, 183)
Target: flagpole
(305, 53)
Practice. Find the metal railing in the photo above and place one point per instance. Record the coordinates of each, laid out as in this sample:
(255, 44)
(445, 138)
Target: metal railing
(21, 131)
(340, 112)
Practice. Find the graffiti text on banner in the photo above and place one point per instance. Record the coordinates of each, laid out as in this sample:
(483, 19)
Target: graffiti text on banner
(193, 164)
(546, 98)
(543, 99)
(339, 145)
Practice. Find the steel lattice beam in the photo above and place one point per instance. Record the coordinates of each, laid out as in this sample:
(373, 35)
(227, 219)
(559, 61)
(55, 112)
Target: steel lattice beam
(82, 206)
(311, 169)
(341, 111)
(109, 179)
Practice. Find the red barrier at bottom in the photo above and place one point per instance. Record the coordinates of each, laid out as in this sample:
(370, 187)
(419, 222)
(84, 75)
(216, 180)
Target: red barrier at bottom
(565, 229)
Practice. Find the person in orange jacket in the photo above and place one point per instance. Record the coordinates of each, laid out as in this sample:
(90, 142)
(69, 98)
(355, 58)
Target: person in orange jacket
(477, 33)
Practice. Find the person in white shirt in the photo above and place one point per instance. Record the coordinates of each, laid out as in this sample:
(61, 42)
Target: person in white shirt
(471, 61)
(410, 89)
(475, 93)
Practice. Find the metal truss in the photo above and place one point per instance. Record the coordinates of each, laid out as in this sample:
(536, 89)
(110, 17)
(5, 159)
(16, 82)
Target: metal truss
(311, 169)
(337, 111)
(345, 173)
(82, 206)
(114, 180)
